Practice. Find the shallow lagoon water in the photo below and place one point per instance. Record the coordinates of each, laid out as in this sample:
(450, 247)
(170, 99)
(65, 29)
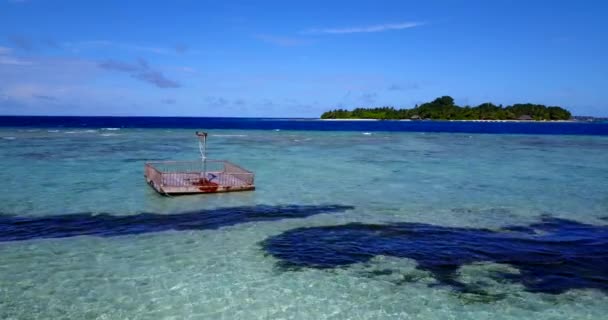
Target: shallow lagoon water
(455, 180)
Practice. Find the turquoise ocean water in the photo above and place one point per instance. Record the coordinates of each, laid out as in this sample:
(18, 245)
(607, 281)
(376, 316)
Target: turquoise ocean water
(449, 179)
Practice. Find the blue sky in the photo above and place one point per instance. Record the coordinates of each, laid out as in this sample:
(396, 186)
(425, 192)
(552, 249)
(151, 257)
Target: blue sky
(297, 58)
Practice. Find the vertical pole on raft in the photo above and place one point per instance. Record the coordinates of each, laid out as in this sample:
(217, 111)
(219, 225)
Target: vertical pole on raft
(202, 147)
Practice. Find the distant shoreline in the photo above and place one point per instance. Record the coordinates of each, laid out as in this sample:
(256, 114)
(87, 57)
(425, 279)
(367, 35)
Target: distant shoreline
(446, 120)
(444, 108)
(351, 119)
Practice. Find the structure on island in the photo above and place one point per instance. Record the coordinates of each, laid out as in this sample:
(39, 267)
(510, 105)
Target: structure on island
(525, 117)
(202, 176)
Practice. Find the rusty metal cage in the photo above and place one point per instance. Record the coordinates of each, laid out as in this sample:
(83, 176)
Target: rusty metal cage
(189, 177)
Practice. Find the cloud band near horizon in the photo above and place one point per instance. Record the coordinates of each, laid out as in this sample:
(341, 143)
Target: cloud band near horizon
(366, 29)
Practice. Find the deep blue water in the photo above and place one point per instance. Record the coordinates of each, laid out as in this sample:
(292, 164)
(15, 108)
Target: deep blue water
(579, 128)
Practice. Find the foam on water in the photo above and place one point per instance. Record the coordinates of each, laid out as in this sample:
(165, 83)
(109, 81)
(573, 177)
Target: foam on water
(446, 181)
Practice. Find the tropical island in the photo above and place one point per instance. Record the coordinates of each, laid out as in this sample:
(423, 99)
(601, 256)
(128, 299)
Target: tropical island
(444, 108)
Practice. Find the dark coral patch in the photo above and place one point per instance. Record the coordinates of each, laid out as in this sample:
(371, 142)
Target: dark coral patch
(15, 228)
(553, 256)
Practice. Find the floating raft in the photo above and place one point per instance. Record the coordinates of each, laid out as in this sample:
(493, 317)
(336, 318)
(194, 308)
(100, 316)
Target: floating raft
(203, 176)
(192, 177)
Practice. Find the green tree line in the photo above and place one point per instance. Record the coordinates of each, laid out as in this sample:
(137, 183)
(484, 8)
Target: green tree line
(443, 108)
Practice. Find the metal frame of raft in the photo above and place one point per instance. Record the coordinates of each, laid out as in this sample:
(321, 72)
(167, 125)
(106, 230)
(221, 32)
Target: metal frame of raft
(195, 177)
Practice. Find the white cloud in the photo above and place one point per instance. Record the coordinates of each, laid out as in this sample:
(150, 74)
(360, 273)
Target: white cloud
(29, 92)
(14, 61)
(281, 41)
(28, 83)
(5, 50)
(186, 70)
(97, 44)
(63, 99)
(6, 58)
(366, 29)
